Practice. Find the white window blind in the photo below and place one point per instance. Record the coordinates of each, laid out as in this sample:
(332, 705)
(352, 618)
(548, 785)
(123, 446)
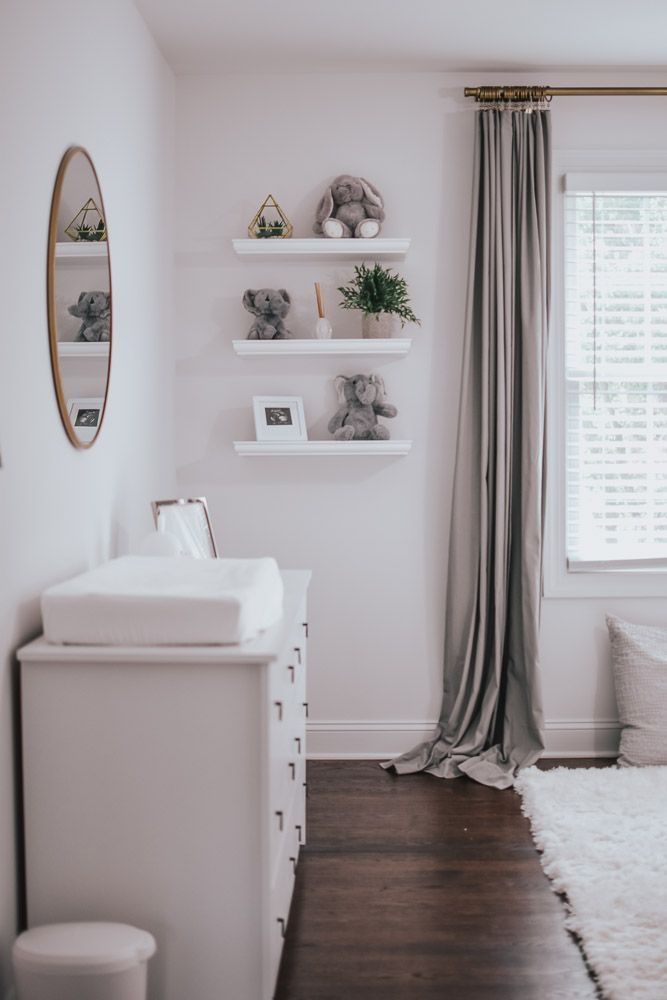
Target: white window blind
(616, 375)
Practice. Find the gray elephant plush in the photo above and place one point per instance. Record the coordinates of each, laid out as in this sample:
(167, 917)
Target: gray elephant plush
(270, 306)
(94, 308)
(350, 207)
(361, 400)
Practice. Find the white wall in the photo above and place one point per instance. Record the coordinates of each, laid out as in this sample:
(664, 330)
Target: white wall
(374, 531)
(85, 72)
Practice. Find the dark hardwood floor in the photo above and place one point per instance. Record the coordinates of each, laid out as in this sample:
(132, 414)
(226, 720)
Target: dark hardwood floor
(416, 888)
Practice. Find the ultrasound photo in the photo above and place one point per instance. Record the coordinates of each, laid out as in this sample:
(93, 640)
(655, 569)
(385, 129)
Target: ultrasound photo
(278, 416)
(87, 418)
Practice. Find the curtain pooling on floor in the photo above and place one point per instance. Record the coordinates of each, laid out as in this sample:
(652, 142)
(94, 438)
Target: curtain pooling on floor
(491, 718)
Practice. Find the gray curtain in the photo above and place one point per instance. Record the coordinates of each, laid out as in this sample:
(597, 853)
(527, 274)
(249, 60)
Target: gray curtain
(491, 719)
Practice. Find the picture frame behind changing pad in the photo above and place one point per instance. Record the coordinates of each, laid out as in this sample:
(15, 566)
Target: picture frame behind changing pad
(189, 521)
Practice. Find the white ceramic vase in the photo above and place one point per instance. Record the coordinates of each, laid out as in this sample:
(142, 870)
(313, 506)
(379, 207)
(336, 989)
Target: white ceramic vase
(380, 325)
(323, 329)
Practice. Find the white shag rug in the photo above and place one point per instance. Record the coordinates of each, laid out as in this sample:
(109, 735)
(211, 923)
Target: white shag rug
(603, 837)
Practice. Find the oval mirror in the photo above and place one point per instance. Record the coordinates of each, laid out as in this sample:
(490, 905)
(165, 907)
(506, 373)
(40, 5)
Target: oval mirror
(79, 297)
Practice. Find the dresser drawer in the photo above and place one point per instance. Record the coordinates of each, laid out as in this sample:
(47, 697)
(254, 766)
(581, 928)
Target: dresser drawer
(301, 806)
(287, 782)
(288, 820)
(286, 741)
(280, 899)
(287, 681)
(287, 713)
(286, 764)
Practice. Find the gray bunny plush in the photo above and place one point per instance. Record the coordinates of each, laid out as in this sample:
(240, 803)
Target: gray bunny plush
(270, 306)
(94, 308)
(350, 207)
(361, 399)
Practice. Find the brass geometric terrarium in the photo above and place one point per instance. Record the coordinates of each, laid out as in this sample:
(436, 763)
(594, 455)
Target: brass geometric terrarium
(87, 225)
(269, 221)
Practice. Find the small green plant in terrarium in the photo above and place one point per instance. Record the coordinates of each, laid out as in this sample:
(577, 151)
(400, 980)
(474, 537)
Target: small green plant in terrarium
(88, 225)
(265, 230)
(91, 234)
(280, 227)
(382, 296)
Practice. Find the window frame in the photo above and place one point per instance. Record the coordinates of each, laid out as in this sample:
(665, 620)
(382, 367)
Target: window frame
(559, 580)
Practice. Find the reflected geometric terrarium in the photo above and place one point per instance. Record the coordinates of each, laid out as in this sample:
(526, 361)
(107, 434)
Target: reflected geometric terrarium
(87, 225)
(270, 222)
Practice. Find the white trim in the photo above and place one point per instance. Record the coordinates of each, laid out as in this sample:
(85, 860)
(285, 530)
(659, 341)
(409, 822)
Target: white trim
(78, 349)
(636, 181)
(311, 448)
(658, 565)
(398, 346)
(83, 251)
(381, 247)
(359, 739)
(558, 582)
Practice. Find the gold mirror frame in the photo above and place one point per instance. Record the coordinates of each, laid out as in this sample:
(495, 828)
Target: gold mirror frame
(69, 154)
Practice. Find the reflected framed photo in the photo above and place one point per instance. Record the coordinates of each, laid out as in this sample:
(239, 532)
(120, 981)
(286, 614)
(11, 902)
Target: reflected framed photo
(84, 415)
(188, 521)
(279, 418)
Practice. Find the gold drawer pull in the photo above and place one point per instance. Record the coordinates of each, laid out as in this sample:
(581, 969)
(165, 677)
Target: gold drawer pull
(305, 707)
(293, 860)
(297, 650)
(279, 706)
(298, 830)
(291, 670)
(280, 819)
(305, 629)
(297, 740)
(292, 767)
(283, 925)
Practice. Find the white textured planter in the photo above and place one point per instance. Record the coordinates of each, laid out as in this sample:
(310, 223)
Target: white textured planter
(384, 325)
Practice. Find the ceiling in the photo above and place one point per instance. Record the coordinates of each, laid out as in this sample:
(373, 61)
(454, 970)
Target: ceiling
(215, 36)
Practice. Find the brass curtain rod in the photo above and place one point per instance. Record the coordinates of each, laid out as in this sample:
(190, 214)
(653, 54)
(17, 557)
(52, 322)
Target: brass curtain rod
(523, 93)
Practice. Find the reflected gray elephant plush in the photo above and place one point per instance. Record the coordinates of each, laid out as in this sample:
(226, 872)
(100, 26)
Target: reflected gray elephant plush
(94, 308)
(352, 206)
(361, 400)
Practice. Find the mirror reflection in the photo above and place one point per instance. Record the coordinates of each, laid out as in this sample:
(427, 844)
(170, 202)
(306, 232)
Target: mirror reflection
(79, 297)
(188, 524)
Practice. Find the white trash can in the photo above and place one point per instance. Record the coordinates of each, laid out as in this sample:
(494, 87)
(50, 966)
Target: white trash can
(84, 961)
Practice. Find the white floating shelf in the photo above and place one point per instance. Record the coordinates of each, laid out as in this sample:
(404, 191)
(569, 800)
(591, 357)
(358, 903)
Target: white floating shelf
(322, 248)
(83, 251)
(322, 447)
(397, 346)
(79, 349)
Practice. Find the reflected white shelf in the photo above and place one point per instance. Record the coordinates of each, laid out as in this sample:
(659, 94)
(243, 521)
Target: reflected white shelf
(396, 346)
(380, 248)
(83, 251)
(80, 349)
(247, 448)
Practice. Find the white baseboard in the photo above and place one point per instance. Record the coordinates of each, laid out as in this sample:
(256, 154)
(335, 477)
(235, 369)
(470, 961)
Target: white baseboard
(380, 740)
(581, 737)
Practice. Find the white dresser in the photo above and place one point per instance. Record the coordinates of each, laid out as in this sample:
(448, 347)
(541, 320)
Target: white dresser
(165, 787)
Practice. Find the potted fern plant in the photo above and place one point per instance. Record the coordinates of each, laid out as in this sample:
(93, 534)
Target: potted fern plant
(382, 296)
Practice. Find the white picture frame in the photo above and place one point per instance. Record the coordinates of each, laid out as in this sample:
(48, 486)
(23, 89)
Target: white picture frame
(279, 418)
(187, 519)
(85, 414)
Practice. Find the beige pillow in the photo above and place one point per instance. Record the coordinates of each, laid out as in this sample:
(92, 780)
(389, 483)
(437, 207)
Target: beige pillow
(639, 660)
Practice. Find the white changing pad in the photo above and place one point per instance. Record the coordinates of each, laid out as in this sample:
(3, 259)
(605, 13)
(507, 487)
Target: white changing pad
(158, 601)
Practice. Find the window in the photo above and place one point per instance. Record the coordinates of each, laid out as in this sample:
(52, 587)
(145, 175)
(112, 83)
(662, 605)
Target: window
(615, 405)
